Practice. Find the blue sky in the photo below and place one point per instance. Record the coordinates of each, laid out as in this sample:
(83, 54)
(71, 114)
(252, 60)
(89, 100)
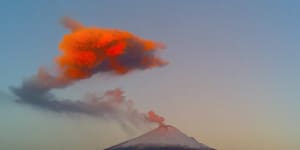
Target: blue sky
(233, 74)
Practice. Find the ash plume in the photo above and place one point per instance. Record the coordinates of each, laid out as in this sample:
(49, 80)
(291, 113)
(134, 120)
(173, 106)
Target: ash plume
(90, 50)
(86, 51)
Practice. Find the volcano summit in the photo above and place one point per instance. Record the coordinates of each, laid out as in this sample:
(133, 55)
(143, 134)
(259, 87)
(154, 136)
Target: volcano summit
(165, 137)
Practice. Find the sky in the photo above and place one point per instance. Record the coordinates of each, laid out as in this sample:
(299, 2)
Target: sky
(232, 81)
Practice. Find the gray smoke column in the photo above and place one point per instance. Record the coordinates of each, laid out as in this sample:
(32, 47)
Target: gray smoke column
(87, 51)
(113, 105)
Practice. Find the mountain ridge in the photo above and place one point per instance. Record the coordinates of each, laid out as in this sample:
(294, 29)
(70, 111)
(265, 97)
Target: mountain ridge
(163, 137)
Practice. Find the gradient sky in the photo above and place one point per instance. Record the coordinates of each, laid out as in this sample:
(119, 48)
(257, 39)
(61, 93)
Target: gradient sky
(233, 80)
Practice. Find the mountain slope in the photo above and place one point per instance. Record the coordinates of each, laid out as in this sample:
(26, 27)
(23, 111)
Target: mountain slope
(162, 137)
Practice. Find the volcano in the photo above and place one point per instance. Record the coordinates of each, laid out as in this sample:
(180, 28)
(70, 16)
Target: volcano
(165, 137)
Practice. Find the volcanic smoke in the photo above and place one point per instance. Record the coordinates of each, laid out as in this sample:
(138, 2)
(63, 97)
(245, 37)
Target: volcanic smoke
(86, 51)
